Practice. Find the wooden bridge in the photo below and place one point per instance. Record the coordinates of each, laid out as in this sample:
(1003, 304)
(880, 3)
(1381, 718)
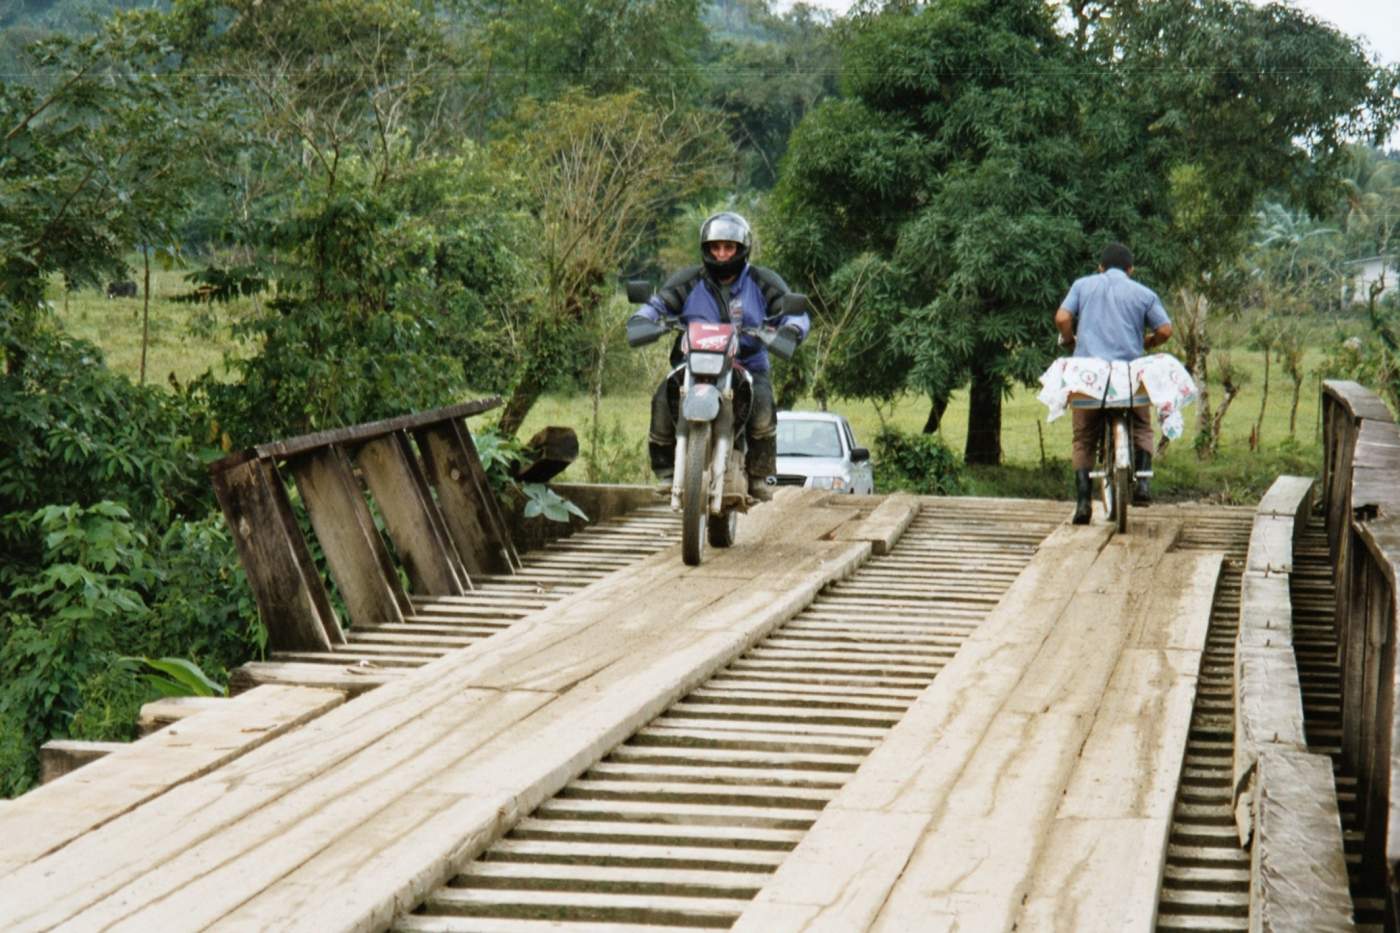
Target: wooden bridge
(883, 713)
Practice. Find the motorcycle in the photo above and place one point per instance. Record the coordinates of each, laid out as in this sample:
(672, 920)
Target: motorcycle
(710, 485)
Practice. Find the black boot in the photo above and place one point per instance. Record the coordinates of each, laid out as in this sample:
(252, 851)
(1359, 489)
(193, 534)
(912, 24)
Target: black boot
(1142, 462)
(1083, 489)
(761, 462)
(663, 461)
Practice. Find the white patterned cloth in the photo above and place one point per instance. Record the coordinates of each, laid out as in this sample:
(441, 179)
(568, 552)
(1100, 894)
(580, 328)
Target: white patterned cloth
(1168, 385)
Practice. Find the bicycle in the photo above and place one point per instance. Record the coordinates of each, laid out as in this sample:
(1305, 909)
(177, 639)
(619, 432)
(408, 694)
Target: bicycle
(1116, 475)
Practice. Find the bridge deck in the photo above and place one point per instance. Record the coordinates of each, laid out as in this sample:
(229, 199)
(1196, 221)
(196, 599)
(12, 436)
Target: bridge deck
(984, 726)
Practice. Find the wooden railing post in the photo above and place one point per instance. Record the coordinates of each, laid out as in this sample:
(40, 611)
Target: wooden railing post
(358, 560)
(291, 598)
(411, 515)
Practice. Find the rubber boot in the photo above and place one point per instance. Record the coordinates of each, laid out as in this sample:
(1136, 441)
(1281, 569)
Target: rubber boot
(1083, 490)
(1142, 461)
(761, 462)
(663, 462)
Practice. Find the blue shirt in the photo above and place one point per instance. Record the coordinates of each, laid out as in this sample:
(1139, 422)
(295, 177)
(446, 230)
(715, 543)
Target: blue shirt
(700, 305)
(1112, 312)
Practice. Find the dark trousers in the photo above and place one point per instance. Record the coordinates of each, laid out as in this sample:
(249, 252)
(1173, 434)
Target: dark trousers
(1088, 432)
(761, 458)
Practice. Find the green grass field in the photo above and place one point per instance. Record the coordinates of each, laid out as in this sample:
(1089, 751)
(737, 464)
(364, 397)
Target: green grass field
(187, 340)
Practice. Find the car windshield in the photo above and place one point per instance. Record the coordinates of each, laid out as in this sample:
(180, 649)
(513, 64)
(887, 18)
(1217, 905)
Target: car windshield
(808, 439)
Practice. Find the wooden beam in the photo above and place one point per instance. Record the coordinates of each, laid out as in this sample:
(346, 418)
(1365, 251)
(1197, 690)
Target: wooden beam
(412, 517)
(358, 560)
(363, 432)
(463, 500)
(500, 528)
(58, 757)
(1298, 872)
(290, 594)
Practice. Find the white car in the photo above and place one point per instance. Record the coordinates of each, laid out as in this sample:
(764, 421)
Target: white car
(816, 449)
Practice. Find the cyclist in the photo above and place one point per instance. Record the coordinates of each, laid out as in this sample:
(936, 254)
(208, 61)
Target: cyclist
(1105, 315)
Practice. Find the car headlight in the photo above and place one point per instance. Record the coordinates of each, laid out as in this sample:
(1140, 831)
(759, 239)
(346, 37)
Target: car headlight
(706, 364)
(837, 483)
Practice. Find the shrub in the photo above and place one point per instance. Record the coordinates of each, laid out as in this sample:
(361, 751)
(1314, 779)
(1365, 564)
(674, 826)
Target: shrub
(919, 463)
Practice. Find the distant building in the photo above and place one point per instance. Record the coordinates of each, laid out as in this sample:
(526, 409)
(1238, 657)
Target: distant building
(1361, 273)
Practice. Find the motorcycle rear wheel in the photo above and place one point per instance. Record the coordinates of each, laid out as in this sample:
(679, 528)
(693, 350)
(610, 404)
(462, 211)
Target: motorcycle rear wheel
(694, 502)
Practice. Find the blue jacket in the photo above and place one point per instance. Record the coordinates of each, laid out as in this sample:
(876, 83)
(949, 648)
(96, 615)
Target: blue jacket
(693, 296)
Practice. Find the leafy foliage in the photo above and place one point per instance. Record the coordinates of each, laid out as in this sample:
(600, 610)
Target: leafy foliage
(919, 463)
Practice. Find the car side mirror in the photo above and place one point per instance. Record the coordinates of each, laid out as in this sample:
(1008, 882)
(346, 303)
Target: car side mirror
(638, 291)
(860, 454)
(792, 303)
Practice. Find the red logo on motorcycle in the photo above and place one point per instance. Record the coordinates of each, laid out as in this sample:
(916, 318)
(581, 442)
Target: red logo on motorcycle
(712, 338)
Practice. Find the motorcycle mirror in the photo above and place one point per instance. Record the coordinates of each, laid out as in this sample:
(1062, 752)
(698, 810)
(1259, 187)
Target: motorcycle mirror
(793, 303)
(638, 291)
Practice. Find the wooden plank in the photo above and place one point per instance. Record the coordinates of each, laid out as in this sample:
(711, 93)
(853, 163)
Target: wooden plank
(1298, 870)
(1266, 610)
(372, 429)
(292, 600)
(1288, 497)
(370, 806)
(50, 817)
(358, 560)
(501, 529)
(411, 517)
(883, 526)
(1098, 874)
(58, 757)
(158, 714)
(1359, 401)
(1270, 545)
(350, 680)
(1268, 714)
(462, 499)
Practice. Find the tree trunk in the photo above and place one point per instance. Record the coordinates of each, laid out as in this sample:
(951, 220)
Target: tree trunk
(522, 398)
(984, 420)
(938, 404)
(1293, 411)
(1263, 404)
(145, 312)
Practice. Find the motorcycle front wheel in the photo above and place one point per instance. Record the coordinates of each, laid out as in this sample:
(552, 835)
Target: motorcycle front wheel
(694, 502)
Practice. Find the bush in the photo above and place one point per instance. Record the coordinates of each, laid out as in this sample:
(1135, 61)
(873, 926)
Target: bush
(919, 463)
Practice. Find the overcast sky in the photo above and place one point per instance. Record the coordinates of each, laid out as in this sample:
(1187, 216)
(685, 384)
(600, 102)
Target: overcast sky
(1376, 21)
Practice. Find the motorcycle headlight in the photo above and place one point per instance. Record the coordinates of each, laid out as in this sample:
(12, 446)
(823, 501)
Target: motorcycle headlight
(706, 364)
(837, 483)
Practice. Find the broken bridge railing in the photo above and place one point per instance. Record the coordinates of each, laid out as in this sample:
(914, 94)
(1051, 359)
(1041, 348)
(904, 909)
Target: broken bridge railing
(419, 473)
(1361, 494)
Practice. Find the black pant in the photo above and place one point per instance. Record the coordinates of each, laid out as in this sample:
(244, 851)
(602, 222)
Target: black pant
(761, 428)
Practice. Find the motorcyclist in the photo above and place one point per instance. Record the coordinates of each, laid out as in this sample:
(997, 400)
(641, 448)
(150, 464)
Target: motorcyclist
(707, 292)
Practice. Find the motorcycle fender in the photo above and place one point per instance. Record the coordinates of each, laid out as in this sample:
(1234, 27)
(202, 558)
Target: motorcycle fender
(701, 403)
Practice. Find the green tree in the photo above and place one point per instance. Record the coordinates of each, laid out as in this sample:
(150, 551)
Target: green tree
(954, 159)
(600, 174)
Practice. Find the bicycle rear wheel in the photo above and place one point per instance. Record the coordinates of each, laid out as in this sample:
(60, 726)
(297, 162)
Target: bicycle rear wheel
(1122, 473)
